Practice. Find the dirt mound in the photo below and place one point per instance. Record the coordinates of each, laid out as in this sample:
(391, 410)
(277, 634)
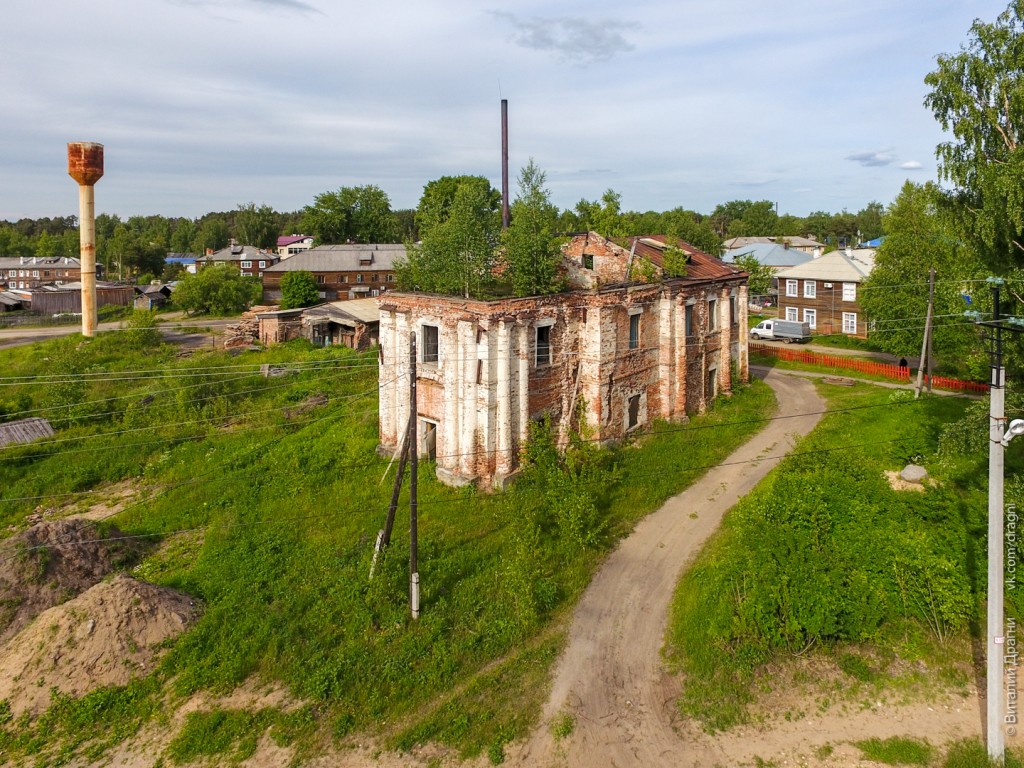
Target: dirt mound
(108, 635)
(52, 562)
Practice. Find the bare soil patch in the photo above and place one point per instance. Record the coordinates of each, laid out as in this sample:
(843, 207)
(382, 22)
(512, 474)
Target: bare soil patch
(106, 636)
(52, 562)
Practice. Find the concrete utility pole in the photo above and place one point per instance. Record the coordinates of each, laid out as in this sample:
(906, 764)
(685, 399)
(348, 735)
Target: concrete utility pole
(999, 436)
(926, 342)
(414, 450)
(85, 165)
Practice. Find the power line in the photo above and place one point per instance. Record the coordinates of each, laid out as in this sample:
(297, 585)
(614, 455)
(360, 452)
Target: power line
(433, 505)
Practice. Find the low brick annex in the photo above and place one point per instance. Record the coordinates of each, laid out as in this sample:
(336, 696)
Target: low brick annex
(627, 342)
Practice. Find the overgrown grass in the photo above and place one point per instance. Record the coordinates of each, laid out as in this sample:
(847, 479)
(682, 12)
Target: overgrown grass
(896, 751)
(266, 510)
(824, 552)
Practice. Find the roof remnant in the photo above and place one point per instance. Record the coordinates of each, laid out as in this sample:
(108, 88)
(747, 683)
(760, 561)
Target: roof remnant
(24, 431)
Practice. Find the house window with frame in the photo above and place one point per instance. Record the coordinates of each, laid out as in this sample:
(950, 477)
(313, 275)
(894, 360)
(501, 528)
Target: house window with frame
(689, 320)
(792, 287)
(811, 318)
(359, 277)
(543, 352)
(712, 314)
(793, 314)
(734, 314)
(374, 278)
(390, 278)
(634, 330)
(343, 278)
(246, 265)
(850, 323)
(849, 291)
(321, 279)
(263, 265)
(431, 353)
(810, 289)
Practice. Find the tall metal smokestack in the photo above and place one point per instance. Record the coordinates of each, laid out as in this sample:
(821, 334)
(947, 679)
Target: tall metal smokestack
(85, 165)
(504, 164)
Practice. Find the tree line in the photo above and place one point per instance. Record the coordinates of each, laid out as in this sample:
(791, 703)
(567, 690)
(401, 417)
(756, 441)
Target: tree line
(138, 245)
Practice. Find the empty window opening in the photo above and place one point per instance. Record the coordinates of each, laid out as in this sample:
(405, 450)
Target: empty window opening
(634, 331)
(544, 345)
(633, 412)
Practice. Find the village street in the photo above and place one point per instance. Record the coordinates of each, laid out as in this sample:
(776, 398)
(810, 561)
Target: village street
(174, 327)
(611, 678)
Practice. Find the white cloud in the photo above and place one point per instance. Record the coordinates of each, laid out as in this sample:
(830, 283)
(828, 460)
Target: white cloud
(911, 165)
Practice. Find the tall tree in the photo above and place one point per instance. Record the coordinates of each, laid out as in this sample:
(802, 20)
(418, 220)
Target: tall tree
(439, 195)
(978, 94)
(351, 214)
(212, 234)
(531, 252)
(456, 254)
(256, 225)
(918, 237)
(869, 221)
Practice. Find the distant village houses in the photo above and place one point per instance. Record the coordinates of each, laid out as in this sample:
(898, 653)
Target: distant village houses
(247, 259)
(342, 272)
(625, 340)
(27, 272)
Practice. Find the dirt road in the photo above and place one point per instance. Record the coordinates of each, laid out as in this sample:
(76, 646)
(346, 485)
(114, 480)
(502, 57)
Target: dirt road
(611, 677)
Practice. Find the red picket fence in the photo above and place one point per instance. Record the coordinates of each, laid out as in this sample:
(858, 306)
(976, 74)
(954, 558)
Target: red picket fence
(843, 363)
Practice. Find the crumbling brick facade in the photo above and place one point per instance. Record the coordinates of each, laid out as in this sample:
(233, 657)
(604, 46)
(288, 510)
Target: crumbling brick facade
(630, 351)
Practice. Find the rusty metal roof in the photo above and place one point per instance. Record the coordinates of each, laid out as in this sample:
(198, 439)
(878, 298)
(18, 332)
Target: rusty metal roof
(700, 265)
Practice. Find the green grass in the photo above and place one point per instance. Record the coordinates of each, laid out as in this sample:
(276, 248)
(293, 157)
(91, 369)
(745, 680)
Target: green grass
(268, 516)
(824, 552)
(896, 751)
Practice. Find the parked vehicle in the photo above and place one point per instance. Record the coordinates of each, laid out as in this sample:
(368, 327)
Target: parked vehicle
(785, 330)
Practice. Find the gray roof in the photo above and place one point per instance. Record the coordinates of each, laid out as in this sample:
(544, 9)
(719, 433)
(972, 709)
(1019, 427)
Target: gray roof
(35, 262)
(796, 241)
(850, 266)
(24, 431)
(240, 253)
(769, 255)
(351, 257)
(361, 310)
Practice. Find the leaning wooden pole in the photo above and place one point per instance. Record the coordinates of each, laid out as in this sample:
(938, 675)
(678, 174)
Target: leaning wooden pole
(925, 341)
(384, 535)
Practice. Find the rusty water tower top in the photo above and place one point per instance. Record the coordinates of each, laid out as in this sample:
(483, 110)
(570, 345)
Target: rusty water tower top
(85, 162)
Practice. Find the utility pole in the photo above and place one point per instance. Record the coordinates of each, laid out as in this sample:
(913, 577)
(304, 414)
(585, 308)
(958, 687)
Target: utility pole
(998, 437)
(931, 321)
(414, 449)
(927, 340)
(384, 535)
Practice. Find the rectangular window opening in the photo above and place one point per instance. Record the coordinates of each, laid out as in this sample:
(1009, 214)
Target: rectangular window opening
(633, 412)
(543, 345)
(430, 349)
(634, 331)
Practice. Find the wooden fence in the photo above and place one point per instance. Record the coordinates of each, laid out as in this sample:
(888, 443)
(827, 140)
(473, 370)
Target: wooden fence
(843, 363)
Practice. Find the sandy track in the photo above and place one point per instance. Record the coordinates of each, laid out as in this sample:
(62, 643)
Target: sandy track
(611, 677)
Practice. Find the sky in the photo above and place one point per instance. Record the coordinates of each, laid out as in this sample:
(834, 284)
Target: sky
(205, 105)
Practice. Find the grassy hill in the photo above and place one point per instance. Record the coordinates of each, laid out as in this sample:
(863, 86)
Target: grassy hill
(261, 498)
